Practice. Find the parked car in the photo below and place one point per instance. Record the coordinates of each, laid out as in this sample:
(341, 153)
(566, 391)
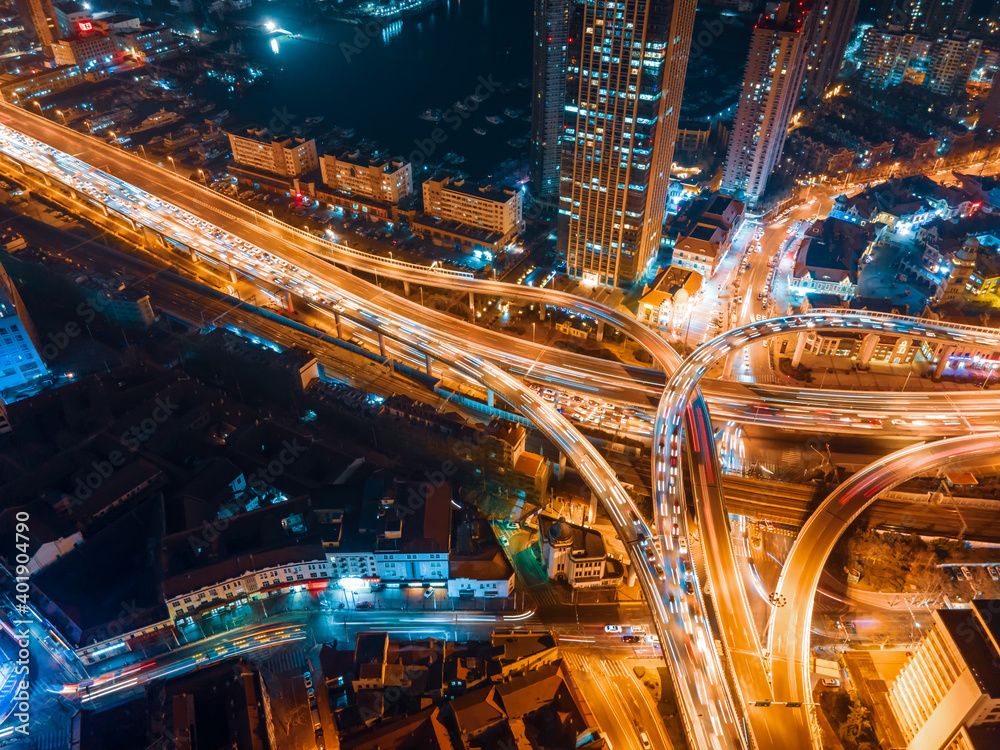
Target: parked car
(612, 628)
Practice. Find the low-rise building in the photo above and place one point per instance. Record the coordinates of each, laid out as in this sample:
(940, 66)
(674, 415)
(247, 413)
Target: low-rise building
(260, 151)
(388, 180)
(828, 258)
(88, 50)
(577, 554)
(700, 250)
(496, 210)
(37, 84)
(70, 14)
(149, 42)
(670, 297)
(20, 358)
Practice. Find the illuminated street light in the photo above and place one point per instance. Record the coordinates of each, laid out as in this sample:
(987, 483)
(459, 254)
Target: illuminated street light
(172, 163)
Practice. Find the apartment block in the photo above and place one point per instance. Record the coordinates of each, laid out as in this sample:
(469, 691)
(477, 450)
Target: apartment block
(261, 151)
(494, 209)
(374, 177)
(87, 50)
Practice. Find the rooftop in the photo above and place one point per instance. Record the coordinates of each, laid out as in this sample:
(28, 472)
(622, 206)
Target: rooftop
(974, 642)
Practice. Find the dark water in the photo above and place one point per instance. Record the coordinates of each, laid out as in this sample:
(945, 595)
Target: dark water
(379, 83)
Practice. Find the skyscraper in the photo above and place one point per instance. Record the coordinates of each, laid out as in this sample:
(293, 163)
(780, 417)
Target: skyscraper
(548, 96)
(625, 77)
(833, 24)
(40, 16)
(771, 87)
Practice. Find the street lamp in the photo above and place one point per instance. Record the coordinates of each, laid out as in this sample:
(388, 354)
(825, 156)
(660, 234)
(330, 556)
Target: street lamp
(172, 163)
(62, 115)
(38, 105)
(203, 177)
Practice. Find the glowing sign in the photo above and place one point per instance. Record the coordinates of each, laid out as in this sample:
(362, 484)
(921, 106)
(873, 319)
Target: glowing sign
(85, 26)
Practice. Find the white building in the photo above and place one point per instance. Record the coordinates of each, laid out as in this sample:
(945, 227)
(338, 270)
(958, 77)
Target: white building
(577, 555)
(494, 209)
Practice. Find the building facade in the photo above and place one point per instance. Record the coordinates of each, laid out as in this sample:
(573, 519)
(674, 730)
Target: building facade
(947, 694)
(771, 88)
(832, 28)
(262, 152)
(20, 361)
(20, 89)
(40, 17)
(577, 554)
(548, 96)
(496, 210)
(625, 76)
(87, 50)
(351, 173)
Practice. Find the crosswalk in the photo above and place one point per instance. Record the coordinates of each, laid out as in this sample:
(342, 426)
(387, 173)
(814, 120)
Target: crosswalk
(288, 661)
(597, 667)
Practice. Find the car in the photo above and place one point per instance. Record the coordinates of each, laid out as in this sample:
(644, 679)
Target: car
(612, 628)
(966, 574)
(739, 299)
(653, 638)
(366, 605)
(683, 544)
(994, 572)
(760, 295)
(831, 682)
(307, 678)
(638, 629)
(689, 587)
(631, 639)
(428, 593)
(644, 738)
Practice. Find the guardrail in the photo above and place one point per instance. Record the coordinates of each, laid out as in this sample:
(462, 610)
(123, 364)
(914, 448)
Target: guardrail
(358, 254)
(983, 330)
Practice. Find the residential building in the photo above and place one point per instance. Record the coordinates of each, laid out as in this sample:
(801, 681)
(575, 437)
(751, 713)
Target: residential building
(670, 297)
(828, 258)
(700, 249)
(388, 180)
(577, 554)
(494, 209)
(70, 15)
(974, 272)
(40, 17)
(952, 61)
(260, 151)
(887, 56)
(37, 84)
(930, 17)
(989, 115)
(477, 565)
(88, 50)
(833, 26)
(148, 42)
(947, 695)
(20, 358)
(625, 78)
(771, 86)
(548, 96)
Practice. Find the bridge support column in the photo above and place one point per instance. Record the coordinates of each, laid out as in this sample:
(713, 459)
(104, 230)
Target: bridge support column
(867, 349)
(339, 323)
(427, 363)
(541, 311)
(287, 296)
(381, 344)
(800, 347)
(472, 307)
(232, 275)
(489, 397)
(600, 330)
(406, 287)
(944, 353)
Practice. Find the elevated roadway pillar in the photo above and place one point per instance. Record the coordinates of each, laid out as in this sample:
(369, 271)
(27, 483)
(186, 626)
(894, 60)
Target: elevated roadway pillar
(945, 352)
(867, 349)
(287, 297)
(472, 306)
(340, 325)
(600, 330)
(232, 275)
(800, 347)
(427, 363)
(406, 287)
(381, 344)
(489, 397)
